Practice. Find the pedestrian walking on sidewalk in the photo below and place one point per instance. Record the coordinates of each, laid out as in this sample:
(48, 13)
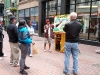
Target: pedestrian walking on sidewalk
(72, 30)
(1, 42)
(48, 34)
(13, 40)
(31, 32)
(24, 42)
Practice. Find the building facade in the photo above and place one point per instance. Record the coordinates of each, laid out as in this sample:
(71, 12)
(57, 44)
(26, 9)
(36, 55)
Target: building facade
(7, 13)
(28, 10)
(88, 14)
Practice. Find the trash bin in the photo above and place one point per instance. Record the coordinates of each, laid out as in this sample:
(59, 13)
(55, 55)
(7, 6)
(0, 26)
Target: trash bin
(59, 41)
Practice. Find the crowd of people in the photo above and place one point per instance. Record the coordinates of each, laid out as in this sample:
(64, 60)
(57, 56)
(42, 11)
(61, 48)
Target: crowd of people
(21, 41)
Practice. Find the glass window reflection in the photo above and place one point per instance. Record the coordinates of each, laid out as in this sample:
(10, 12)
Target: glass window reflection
(59, 2)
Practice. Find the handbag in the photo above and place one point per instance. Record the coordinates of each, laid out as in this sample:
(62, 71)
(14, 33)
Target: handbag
(34, 49)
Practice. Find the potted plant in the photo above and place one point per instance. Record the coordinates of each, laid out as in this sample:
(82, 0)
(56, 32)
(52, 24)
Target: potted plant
(13, 9)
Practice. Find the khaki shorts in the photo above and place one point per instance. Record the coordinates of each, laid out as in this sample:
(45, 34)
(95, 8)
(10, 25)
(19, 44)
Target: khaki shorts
(48, 40)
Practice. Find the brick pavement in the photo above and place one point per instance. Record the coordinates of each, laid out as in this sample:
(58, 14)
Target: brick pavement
(46, 63)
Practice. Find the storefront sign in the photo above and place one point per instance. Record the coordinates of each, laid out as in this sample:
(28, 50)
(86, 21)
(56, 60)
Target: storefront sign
(87, 14)
(63, 19)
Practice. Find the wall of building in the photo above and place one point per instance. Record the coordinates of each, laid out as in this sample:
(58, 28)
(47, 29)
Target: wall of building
(27, 4)
(1, 1)
(28, 10)
(8, 4)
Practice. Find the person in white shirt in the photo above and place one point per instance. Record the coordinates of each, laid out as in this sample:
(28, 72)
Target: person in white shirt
(31, 31)
(17, 24)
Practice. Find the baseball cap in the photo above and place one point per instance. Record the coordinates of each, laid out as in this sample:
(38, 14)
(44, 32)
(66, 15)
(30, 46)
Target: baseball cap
(47, 20)
(12, 17)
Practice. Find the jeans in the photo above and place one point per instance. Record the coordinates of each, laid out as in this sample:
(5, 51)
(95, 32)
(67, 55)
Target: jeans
(29, 49)
(74, 49)
(1, 52)
(24, 50)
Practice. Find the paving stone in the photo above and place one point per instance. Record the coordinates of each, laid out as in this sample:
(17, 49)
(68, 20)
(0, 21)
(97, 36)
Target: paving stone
(46, 63)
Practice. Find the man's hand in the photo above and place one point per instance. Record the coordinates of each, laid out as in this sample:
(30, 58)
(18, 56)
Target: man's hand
(60, 22)
(31, 34)
(33, 43)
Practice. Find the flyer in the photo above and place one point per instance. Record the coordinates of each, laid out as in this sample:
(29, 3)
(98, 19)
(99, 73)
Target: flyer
(64, 18)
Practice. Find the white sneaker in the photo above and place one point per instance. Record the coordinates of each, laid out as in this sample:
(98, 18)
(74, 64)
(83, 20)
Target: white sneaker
(0, 58)
(11, 63)
(50, 51)
(15, 65)
(44, 50)
(4, 55)
(97, 51)
(30, 55)
(18, 64)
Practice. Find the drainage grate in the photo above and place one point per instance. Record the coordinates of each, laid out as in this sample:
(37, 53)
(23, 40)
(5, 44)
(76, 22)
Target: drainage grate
(38, 40)
(96, 65)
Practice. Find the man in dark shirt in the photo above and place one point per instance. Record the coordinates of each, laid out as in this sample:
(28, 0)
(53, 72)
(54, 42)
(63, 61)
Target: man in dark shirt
(13, 39)
(72, 30)
(1, 42)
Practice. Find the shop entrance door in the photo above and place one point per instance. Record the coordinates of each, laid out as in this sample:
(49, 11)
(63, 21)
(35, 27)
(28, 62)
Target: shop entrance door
(94, 29)
(99, 29)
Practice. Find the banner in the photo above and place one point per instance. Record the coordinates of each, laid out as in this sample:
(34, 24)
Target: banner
(63, 19)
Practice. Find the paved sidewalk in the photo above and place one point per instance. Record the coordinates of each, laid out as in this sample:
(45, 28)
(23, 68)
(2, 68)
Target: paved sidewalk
(46, 63)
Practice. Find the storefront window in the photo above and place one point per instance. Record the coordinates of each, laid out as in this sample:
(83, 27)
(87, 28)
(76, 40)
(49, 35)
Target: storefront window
(72, 8)
(72, 1)
(34, 11)
(59, 2)
(58, 11)
(21, 13)
(27, 13)
(46, 5)
(80, 1)
(96, 3)
(46, 10)
(94, 26)
(52, 13)
(83, 11)
(52, 3)
(53, 8)
(46, 15)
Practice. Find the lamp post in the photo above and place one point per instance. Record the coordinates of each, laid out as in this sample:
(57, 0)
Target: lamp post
(13, 1)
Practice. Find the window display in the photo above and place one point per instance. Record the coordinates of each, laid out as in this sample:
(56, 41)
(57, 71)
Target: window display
(90, 25)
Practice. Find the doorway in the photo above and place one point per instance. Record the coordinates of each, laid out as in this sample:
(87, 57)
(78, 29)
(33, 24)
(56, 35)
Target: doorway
(95, 29)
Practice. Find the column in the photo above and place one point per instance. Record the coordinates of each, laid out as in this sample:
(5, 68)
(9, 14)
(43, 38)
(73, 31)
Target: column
(42, 14)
